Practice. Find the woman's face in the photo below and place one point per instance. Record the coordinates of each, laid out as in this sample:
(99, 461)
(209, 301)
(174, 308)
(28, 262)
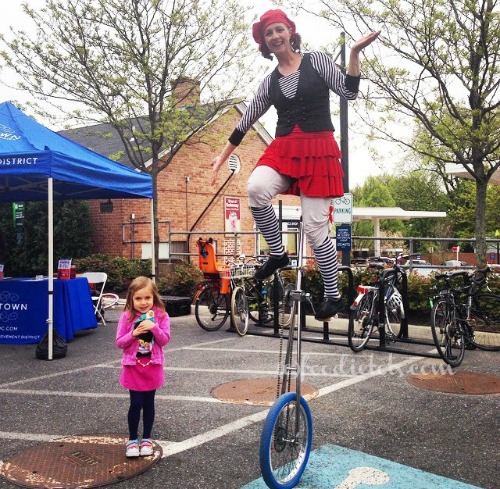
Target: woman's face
(277, 37)
(143, 300)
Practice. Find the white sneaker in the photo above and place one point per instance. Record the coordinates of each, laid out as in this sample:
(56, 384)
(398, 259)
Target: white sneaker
(133, 448)
(146, 447)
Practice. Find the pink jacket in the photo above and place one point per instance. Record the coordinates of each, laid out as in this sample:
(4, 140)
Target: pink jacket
(130, 344)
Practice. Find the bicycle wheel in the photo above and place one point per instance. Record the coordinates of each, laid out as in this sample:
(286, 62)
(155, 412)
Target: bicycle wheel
(485, 321)
(287, 307)
(260, 308)
(211, 308)
(394, 313)
(284, 451)
(239, 310)
(257, 306)
(361, 324)
(447, 333)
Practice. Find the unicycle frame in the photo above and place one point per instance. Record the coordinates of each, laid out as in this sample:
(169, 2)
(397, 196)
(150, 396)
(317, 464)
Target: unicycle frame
(297, 297)
(286, 437)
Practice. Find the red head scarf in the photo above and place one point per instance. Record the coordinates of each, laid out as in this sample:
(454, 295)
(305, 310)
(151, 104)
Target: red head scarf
(270, 17)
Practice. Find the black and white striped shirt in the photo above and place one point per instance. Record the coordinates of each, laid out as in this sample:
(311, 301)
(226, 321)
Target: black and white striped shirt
(326, 68)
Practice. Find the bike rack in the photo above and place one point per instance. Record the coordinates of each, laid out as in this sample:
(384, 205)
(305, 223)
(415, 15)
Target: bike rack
(403, 336)
(326, 332)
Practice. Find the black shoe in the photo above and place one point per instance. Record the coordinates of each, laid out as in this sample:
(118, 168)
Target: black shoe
(328, 308)
(272, 264)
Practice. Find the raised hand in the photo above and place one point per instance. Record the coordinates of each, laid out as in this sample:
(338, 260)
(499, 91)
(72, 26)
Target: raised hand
(366, 40)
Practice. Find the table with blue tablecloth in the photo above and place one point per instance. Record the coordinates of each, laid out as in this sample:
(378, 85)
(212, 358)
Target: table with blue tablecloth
(24, 309)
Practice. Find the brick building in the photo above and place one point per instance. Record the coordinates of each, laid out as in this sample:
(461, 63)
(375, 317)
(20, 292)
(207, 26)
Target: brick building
(188, 206)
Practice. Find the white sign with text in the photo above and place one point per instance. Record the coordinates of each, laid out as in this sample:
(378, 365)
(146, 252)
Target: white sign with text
(342, 209)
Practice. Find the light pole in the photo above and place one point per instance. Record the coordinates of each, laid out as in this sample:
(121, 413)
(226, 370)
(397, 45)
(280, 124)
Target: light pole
(344, 121)
(344, 141)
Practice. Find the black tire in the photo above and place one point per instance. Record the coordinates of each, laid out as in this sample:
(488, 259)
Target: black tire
(485, 322)
(447, 334)
(283, 454)
(239, 310)
(260, 308)
(287, 308)
(266, 308)
(394, 314)
(211, 308)
(361, 323)
(254, 312)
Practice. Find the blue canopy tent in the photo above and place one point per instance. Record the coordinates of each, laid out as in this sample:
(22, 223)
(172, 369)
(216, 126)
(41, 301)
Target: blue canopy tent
(39, 164)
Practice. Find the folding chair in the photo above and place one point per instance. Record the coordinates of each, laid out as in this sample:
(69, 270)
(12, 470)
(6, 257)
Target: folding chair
(97, 282)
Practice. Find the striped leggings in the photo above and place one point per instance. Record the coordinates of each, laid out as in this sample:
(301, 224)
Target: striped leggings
(263, 185)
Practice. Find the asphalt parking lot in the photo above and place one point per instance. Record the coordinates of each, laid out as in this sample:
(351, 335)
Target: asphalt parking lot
(367, 412)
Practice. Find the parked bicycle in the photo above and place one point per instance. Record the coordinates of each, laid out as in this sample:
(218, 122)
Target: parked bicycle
(286, 437)
(366, 309)
(212, 301)
(464, 315)
(251, 298)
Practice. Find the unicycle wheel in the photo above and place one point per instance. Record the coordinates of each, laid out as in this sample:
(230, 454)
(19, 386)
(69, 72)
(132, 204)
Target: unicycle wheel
(284, 449)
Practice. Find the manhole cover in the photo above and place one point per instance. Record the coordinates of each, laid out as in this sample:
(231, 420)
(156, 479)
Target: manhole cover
(77, 461)
(256, 391)
(458, 383)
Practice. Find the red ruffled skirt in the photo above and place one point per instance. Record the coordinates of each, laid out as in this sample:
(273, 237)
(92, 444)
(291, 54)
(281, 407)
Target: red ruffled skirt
(311, 159)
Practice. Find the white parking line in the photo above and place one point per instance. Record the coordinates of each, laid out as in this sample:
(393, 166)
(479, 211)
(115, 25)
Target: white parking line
(219, 432)
(105, 395)
(234, 426)
(56, 374)
(9, 435)
(272, 352)
(100, 365)
(171, 448)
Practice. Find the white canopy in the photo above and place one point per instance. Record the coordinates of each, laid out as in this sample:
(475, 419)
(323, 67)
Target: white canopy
(460, 171)
(376, 214)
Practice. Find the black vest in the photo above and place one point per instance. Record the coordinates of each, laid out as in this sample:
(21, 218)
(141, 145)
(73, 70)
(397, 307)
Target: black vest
(310, 108)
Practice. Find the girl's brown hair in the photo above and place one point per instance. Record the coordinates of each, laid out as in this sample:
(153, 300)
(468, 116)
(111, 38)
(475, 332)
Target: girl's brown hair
(138, 284)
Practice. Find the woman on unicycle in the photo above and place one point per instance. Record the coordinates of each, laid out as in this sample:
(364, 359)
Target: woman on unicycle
(304, 160)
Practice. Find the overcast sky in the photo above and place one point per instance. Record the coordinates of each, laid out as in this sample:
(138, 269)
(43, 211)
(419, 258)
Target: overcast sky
(360, 162)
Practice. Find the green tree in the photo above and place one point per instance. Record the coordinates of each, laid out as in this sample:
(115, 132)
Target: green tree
(415, 191)
(463, 209)
(125, 62)
(437, 63)
(375, 193)
(492, 210)
(419, 191)
(27, 254)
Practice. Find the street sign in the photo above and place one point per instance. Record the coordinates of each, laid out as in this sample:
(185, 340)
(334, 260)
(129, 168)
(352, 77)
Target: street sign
(342, 209)
(343, 237)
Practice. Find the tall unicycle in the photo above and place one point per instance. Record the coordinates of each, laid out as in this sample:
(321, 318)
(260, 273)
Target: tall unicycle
(286, 437)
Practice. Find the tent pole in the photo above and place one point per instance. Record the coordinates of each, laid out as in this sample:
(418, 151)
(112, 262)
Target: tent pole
(50, 274)
(153, 264)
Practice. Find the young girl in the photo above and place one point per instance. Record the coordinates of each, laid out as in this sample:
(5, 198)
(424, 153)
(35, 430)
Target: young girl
(143, 330)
